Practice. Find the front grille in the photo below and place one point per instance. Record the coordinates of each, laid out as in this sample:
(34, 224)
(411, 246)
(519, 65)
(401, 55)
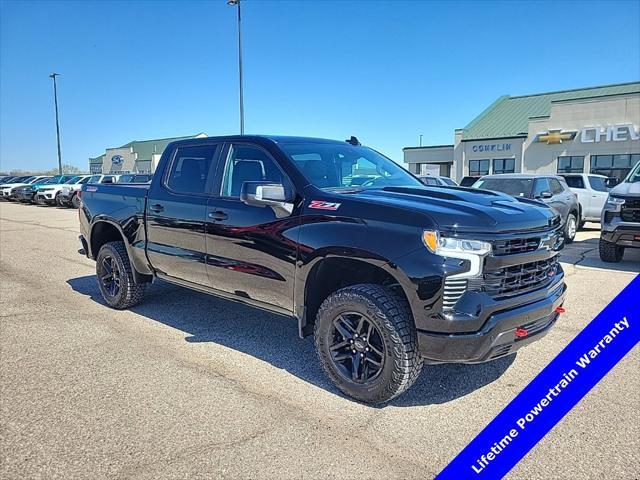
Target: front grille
(630, 211)
(453, 290)
(515, 245)
(519, 278)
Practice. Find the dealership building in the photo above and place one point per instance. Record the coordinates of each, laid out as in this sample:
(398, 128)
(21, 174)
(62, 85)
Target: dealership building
(138, 156)
(588, 130)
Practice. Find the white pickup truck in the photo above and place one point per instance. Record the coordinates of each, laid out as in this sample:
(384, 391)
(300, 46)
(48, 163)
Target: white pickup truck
(592, 192)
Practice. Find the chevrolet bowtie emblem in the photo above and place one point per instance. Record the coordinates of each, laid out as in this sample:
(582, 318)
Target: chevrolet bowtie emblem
(553, 137)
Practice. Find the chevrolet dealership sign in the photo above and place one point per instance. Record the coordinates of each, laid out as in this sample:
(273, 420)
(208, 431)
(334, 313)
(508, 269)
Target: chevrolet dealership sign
(598, 133)
(609, 133)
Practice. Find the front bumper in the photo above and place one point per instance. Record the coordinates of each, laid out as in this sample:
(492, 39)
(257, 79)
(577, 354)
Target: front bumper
(497, 337)
(624, 235)
(45, 197)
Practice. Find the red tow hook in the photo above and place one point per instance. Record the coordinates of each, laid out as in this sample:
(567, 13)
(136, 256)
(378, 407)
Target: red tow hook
(560, 310)
(521, 332)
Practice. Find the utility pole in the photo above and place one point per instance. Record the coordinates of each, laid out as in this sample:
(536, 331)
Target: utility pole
(55, 101)
(237, 4)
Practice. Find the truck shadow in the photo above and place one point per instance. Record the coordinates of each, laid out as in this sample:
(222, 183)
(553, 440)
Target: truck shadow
(584, 253)
(274, 339)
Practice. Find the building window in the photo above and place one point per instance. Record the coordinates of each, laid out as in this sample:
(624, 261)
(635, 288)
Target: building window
(617, 166)
(504, 165)
(478, 168)
(570, 164)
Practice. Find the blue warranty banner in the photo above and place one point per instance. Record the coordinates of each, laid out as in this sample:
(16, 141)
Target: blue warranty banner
(555, 391)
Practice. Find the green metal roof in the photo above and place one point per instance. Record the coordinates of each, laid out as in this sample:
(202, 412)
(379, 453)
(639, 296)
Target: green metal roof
(509, 116)
(147, 148)
(96, 159)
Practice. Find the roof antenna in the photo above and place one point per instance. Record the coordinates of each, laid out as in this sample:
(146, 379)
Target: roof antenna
(353, 141)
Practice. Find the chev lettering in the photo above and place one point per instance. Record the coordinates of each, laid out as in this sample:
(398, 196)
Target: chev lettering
(609, 133)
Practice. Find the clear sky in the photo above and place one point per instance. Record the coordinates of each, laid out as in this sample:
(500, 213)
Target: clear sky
(383, 71)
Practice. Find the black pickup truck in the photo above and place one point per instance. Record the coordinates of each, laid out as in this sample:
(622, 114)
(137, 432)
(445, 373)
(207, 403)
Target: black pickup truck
(385, 272)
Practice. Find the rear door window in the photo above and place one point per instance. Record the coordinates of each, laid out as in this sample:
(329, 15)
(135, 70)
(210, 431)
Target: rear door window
(575, 182)
(190, 170)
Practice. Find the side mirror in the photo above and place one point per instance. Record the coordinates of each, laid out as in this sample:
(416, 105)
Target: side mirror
(545, 195)
(611, 182)
(267, 194)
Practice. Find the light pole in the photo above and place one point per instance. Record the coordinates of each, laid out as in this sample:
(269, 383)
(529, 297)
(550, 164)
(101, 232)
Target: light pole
(237, 4)
(55, 101)
(420, 140)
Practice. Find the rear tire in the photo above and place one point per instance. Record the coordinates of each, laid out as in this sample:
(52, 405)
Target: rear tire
(367, 343)
(115, 277)
(610, 252)
(570, 228)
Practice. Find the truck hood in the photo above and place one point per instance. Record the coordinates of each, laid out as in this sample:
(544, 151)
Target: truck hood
(626, 189)
(467, 210)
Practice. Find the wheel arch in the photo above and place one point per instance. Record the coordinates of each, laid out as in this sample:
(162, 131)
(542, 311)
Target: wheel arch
(331, 273)
(105, 230)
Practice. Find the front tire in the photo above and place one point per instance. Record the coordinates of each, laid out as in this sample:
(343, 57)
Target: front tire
(570, 228)
(75, 201)
(115, 277)
(59, 201)
(610, 252)
(367, 343)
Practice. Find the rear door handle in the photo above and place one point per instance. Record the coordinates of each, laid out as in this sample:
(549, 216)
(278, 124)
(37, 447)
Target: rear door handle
(218, 215)
(156, 208)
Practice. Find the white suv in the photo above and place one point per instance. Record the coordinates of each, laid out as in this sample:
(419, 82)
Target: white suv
(67, 197)
(50, 193)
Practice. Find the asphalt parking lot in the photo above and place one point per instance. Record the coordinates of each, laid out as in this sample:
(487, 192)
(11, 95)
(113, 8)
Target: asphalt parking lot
(187, 385)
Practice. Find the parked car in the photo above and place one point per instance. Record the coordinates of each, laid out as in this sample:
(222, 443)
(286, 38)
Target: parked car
(135, 178)
(67, 196)
(592, 192)
(549, 189)
(384, 275)
(8, 191)
(621, 218)
(468, 181)
(437, 181)
(48, 194)
(27, 193)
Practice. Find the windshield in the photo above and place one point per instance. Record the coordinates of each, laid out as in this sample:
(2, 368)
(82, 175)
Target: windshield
(516, 187)
(54, 180)
(634, 176)
(72, 180)
(342, 166)
(40, 181)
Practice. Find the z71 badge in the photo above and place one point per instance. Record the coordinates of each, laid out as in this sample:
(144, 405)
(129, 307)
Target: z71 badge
(322, 205)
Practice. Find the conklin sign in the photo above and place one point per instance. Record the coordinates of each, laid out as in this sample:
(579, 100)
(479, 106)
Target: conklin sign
(595, 134)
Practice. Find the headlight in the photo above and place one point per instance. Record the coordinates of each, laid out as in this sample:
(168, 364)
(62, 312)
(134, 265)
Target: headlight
(447, 246)
(614, 203)
(472, 250)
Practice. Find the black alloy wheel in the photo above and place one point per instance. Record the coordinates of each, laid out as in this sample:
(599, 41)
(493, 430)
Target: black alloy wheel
(367, 342)
(115, 277)
(110, 277)
(357, 350)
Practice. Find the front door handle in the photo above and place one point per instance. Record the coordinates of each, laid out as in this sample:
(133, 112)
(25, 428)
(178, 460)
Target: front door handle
(156, 208)
(218, 215)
